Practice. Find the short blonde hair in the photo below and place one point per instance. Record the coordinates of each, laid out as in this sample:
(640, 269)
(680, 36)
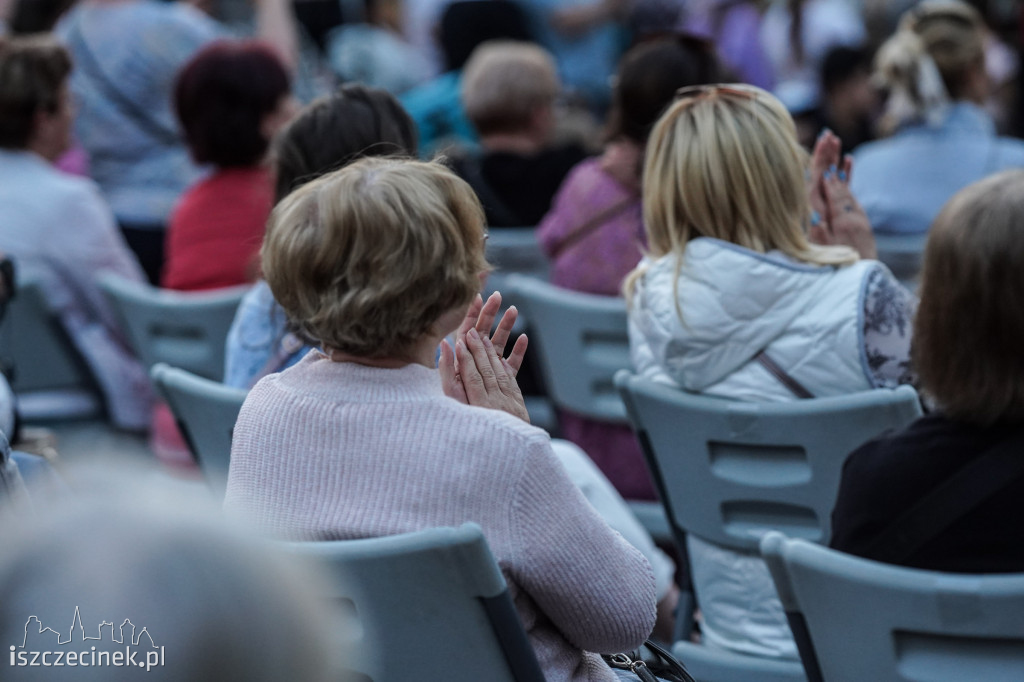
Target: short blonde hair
(969, 325)
(367, 258)
(504, 82)
(724, 162)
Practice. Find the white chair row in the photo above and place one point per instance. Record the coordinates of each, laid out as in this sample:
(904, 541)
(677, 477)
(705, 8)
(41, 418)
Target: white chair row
(186, 330)
(855, 619)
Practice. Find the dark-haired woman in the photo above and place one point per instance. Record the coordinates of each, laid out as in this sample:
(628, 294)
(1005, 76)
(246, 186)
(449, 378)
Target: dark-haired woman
(231, 99)
(967, 337)
(354, 122)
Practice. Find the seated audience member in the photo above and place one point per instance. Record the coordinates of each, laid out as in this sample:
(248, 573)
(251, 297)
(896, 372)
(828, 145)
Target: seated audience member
(967, 353)
(334, 131)
(509, 91)
(40, 16)
(127, 55)
(796, 35)
(373, 52)
(849, 100)
(942, 139)
(231, 99)
(379, 262)
(734, 27)
(733, 294)
(58, 227)
(594, 233)
(586, 38)
(435, 105)
(355, 121)
(124, 551)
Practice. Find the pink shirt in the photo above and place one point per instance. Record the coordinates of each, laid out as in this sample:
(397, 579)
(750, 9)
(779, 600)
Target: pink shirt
(216, 230)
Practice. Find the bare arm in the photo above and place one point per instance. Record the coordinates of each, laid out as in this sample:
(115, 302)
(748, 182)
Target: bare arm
(276, 24)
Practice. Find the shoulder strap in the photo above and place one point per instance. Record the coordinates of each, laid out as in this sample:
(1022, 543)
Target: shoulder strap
(86, 60)
(794, 386)
(595, 222)
(976, 482)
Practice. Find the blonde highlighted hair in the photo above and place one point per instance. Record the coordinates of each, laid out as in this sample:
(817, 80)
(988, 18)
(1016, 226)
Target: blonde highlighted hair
(929, 61)
(724, 162)
(367, 258)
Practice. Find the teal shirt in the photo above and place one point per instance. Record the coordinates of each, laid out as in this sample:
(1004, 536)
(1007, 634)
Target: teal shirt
(436, 107)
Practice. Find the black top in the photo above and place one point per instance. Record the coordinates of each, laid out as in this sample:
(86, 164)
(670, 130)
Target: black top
(517, 190)
(885, 477)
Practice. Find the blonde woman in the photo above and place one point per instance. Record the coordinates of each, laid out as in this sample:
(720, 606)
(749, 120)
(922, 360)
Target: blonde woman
(733, 299)
(942, 139)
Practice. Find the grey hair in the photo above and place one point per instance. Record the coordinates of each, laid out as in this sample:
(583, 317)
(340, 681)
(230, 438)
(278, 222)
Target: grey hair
(219, 603)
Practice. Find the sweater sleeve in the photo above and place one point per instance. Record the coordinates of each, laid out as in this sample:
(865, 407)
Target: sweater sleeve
(94, 246)
(594, 586)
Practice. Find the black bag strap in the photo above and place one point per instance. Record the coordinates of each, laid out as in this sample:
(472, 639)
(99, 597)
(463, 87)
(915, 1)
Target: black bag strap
(660, 665)
(85, 59)
(954, 498)
(794, 386)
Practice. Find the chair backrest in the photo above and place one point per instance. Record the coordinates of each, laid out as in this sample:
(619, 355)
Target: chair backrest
(183, 329)
(581, 340)
(44, 359)
(903, 254)
(856, 619)
(429, 605)
(708, 664)
(728, 471)
(206, 412)
(514, 250)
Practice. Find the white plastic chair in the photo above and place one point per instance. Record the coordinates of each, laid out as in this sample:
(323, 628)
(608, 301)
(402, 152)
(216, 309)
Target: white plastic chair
(581, 340)
(429, 605)
(903, 254)
(514, 250)
(45, 362)
(856, 619)
(730, 471)
(206, 412)
(183, 329)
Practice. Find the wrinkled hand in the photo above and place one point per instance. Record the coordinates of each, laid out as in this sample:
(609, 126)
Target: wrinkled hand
(487, 378)
(840, 218)
(470, 381)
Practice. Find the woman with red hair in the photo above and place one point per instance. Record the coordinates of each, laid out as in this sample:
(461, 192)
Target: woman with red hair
(231, 99)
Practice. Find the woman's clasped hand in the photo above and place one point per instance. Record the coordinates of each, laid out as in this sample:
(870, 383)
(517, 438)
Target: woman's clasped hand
(476, 371)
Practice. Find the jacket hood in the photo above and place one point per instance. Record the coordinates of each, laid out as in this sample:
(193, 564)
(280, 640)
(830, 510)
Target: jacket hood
(734, 301)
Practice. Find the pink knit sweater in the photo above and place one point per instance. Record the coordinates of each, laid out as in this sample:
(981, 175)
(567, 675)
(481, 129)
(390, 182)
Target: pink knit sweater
(329, 450)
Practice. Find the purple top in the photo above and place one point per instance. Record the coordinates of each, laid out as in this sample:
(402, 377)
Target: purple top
(735, 28)
(598, 262)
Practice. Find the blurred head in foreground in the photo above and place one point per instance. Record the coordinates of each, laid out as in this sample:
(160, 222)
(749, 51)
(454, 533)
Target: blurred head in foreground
(126, 559)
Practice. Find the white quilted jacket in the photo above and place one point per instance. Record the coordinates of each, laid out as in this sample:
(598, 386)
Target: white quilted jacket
(735, 303)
